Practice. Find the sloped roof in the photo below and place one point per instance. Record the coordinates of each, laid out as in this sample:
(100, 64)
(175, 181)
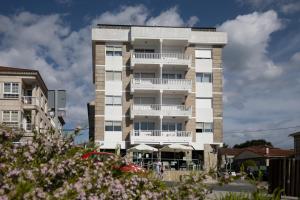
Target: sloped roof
(261, 151)
(23, 71)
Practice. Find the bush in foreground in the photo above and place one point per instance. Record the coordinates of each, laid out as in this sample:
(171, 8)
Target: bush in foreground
(50, 167)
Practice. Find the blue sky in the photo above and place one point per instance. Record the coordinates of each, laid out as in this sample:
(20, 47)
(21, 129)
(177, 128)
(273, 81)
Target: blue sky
(261, 61)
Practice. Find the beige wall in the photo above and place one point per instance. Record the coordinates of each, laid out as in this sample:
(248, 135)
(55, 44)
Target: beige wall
(100, 90)
(127, 75)
(190, 99)
(217, 94)
(38, 114)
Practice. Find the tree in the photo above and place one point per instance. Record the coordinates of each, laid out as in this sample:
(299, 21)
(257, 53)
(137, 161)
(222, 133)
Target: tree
(251, 143)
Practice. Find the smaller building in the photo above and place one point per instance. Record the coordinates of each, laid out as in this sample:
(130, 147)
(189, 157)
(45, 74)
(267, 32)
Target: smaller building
(260, 154)
(24, 101)
(296, 144)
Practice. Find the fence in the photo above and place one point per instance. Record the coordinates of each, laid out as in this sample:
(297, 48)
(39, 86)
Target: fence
(285, 174)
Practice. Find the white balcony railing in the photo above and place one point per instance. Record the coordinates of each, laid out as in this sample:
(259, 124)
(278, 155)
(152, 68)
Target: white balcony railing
(160, 58)
(161, 84)
(29, 100)
(160, 110)
(160, 137)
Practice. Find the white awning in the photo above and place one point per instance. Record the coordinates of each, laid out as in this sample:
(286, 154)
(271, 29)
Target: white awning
(176, 148)
(143, 148)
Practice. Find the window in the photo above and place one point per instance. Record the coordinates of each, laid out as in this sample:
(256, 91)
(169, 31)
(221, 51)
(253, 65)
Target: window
(172, 76)
(204, 77)
(144, 126)
(203, 53)
(204, 127)
(11, 90)
(113, 76)
(113, 126)
(144, 50)
(113, 100)
(10, 118)
(171, 126)
(113, 51)
(144, 100)
(144, 75)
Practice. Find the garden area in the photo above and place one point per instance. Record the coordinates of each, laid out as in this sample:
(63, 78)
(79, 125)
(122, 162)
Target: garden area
(50, 166)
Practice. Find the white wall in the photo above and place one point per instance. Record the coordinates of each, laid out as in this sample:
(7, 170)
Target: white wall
(201, 139)
(204, 115)
(203, 89)
(203, 65)
(113, 113)
(113, 88)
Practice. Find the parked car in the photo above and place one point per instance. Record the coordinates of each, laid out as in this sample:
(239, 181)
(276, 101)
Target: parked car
(103, 156)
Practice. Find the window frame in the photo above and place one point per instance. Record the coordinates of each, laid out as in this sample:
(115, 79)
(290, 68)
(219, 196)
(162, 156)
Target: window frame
(203, 129)
(11, 94)
(113, 75)
(113, 98)
(200, 77)
(113, 50)
(10, 122)
(113, 127)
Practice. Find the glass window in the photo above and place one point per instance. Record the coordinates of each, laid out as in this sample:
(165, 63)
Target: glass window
(151, 126)
(144, 126)
(207, 78)
(117, 100)
(14, 116)
(117, 76)
(11, 90)
(204, 77)
(172, 127)
(109, 76)
(199, 127)
(208, 127)
(113, 50)
(165, 127)
(109, 126)
(6, 116)
(6, 87)
(117, 126)
(109, 100)
(179, 127)
(136, 126)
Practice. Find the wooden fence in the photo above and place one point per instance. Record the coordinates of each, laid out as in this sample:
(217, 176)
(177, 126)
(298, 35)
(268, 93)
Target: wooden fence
(285, 174)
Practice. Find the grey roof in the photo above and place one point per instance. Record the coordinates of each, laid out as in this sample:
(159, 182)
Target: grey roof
(295, 134)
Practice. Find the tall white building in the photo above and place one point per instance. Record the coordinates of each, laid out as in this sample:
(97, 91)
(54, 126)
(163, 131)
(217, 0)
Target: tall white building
(157, 85)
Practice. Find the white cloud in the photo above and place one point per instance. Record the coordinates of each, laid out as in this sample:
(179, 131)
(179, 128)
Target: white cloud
(63, 56)
(256, 3)
(259, 92)
(291, 8)
(249, 36)
(139, 15)
(296, 58)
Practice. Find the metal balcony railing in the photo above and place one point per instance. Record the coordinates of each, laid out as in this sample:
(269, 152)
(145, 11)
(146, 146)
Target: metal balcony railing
(29, 100)
(157, 58)
(160, 137)
(160, 84)
(158, 109)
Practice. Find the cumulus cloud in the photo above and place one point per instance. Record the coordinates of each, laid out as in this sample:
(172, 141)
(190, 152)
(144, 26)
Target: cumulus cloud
(291, 8)
(62, 55)
(249, 37)
(259, 92)
(46, 43)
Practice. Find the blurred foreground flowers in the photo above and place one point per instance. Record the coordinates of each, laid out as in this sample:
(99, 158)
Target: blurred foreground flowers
(50, 167)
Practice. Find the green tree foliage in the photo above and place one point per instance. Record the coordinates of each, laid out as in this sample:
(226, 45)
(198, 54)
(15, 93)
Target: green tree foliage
(251, 143)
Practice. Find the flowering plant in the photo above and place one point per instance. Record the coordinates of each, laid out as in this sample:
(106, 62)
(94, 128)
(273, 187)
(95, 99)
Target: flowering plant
(49, 166)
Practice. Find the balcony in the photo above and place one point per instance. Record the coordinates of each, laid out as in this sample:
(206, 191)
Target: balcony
(160, 137)
(160, 58)
(161, 84)
(160, 110)
(29, 102)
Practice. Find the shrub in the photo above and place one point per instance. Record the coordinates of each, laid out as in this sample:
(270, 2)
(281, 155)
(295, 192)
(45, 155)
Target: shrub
(50, 167)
